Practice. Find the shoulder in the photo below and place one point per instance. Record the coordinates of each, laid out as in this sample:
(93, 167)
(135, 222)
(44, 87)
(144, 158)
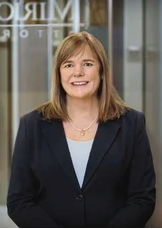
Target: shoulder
(31, 116)
(35, 119)
(32, 119)
(133, 119)
(133, 115)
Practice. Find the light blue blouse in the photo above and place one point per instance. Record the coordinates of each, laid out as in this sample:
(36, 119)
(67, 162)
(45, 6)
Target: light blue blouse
(79, 151)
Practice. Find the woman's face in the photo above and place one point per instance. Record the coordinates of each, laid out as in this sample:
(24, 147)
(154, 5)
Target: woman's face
(80, 75)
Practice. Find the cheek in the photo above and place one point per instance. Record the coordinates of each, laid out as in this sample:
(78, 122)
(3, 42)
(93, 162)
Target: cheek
(63, 77)
(97, 79)
(65, 82)
(97, 82)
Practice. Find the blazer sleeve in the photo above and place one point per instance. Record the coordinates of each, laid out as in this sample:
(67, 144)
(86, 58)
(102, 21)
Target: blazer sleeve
(140, 202)
(21, 207)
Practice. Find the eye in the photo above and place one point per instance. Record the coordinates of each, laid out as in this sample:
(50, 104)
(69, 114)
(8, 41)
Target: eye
(88, 64)
(68, 65)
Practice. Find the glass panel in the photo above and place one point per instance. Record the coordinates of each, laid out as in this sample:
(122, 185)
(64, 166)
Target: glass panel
(132, 53)
(93, 18)
(33, 79)
(153, 95)
(5, 123)
(30, 32)
(96, 20)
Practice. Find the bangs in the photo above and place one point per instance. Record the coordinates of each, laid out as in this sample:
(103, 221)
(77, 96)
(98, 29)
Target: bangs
(69, 52)
(74, 47)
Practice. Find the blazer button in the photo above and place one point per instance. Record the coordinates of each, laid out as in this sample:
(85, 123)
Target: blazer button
(79, 197)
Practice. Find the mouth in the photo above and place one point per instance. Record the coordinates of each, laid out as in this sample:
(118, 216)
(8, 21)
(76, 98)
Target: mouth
(80, 83)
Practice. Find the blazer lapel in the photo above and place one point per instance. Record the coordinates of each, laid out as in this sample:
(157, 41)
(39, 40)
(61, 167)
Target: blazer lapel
(105, 136)
(55, 136)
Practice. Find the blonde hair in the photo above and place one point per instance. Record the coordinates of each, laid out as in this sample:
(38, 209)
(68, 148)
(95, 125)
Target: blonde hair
(111, 105)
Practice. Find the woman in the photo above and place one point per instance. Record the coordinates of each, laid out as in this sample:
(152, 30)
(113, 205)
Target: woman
(83, 159)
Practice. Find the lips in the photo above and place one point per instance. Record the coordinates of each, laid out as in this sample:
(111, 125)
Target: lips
(79, 83)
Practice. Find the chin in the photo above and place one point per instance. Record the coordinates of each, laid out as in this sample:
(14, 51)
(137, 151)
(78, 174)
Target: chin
(80, 97)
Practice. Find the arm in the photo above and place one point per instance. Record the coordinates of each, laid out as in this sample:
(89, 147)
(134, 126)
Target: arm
(21, 207)
(141, 187)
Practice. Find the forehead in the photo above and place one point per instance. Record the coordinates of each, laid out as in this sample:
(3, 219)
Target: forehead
(83, 53)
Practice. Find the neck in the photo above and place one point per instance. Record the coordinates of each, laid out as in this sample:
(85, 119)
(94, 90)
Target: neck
(82, 109)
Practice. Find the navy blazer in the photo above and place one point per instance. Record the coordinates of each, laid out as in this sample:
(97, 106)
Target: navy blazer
(119, 184)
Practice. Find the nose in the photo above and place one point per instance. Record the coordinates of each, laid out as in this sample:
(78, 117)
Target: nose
(78, 71)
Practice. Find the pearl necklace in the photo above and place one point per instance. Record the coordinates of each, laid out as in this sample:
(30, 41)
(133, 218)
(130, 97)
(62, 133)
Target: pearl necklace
(82, 131)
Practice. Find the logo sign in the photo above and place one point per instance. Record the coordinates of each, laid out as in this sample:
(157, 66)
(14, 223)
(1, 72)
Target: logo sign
(51, 13)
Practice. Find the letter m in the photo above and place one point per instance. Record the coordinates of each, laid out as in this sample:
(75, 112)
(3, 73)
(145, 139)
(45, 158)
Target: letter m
(61, 12)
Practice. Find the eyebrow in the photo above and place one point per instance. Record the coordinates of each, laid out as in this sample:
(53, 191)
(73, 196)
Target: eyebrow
(89, 60)
(84, 60)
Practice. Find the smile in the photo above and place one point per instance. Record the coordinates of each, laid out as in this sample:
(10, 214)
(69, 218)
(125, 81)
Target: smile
(80, 83)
